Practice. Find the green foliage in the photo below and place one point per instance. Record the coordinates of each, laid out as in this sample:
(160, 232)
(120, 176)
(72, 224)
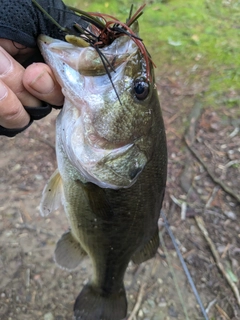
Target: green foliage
(186, 34)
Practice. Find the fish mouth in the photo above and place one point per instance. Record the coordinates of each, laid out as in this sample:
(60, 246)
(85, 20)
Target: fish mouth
(89, 61)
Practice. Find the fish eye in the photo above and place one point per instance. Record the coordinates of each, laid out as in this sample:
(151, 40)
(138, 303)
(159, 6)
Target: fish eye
(141, 88)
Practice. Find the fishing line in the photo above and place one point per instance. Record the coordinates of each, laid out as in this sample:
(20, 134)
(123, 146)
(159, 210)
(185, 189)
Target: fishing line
(185, 268)
(174, 276)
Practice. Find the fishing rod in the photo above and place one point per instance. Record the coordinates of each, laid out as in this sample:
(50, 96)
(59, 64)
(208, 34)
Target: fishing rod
(184, 266)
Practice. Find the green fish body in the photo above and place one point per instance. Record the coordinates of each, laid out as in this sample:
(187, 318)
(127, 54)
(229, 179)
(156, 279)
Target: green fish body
(112, 164)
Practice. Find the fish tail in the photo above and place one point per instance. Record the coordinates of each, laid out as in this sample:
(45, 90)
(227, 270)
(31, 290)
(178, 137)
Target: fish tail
(91, 304)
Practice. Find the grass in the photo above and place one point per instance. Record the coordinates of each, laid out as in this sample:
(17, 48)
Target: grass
(195, 37)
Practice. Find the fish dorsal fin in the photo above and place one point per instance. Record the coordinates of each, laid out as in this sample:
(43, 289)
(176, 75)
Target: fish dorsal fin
(52, 194)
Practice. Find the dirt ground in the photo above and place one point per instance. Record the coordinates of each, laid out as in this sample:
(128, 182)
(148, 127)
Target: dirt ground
(33, 287)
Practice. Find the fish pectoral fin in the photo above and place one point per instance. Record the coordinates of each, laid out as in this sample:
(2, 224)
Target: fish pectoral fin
(68, 253)
(97, 199)
(148, 251)
(52, 194)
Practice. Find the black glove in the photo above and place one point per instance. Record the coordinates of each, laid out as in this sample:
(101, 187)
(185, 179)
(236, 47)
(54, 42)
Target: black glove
(35, 113)
(21, 21)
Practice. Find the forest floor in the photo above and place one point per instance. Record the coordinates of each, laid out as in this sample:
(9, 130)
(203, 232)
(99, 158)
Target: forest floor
(204, 152)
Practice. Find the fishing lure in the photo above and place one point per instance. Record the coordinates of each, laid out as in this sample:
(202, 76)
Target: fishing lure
(102, 30)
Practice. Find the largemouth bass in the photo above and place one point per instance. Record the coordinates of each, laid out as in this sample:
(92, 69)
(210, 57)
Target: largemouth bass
(112, 163)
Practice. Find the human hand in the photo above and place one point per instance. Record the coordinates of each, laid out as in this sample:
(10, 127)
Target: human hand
(21, 87)
(24, 93)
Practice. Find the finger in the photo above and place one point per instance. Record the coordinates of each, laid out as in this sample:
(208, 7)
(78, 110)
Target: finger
(20, 52)
(12, 113)
(11, 73)
(40, 82)
(14, 48)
